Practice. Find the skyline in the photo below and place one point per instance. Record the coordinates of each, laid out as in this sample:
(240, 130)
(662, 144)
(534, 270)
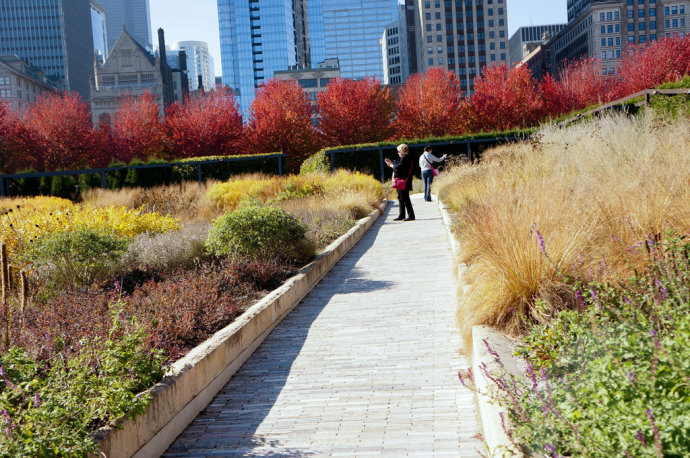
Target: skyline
(200, 23)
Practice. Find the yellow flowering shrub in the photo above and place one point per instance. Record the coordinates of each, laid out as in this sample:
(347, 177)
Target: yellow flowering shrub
(39, 203)
(344, 180)
(26, 224)
(230, 194)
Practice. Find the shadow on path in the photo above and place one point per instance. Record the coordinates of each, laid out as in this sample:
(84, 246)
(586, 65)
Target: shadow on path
(228, 426)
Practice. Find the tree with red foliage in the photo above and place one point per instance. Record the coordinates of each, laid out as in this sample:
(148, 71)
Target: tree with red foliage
(429, 105)
(504, 98)
(354, 112)
(206, 125)
(136, 130)
(280, 120)
(646, 66)
(581, 83)
(58, 133)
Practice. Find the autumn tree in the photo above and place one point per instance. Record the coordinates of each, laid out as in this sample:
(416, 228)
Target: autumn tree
(580, 83)
(429, 105)
(354, 112)
(646, 66)
(10, 132)
(58, 132)
(206, 125)
(504, 98)
(136, 130)
(280, 120)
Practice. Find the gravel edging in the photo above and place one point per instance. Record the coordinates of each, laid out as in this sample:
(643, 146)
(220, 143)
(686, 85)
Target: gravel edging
(196, 378)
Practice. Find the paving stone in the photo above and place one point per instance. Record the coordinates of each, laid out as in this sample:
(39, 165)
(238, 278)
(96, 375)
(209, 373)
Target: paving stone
(365, 365)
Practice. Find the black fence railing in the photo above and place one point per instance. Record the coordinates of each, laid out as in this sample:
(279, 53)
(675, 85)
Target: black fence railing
(374, 163)
(6, 179)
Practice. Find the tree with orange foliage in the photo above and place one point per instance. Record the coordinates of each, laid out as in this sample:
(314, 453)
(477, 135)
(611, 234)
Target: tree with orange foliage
(58, 133)
(504, 98)
(648, 66)
(280, 120)
(354, 112)
(136, 130)
(206, 125)
(429, 105)
(580, 83)
(10, 131)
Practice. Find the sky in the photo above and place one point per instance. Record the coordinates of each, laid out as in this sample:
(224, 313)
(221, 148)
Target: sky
(184, 22)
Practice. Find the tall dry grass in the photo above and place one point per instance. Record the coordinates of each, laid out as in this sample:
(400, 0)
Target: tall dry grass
(188, 200)
(577, 202)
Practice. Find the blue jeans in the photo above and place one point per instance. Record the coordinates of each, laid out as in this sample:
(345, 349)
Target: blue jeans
(427, 177)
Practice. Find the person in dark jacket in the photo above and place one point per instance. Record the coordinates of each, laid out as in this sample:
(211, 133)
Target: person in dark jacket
(403, 169)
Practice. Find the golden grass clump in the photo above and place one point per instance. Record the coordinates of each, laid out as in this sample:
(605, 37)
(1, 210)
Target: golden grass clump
(187, 201)
(38, 203)
(573, 202)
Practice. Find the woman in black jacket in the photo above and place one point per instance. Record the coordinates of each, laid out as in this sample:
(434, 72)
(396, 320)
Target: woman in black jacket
(403, 169)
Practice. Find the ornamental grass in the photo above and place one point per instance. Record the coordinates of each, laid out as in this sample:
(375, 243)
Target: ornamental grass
(576, 202)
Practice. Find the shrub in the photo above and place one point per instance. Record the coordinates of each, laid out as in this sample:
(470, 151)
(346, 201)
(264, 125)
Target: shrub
(82, 256)
(259, 232)
(610, 379)
(316, 163)
(171, 250)
(147, 177)
(51, 409)
(62, 186)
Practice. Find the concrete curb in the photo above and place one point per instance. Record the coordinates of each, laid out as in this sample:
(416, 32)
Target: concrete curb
(490, 413)
(202, 373)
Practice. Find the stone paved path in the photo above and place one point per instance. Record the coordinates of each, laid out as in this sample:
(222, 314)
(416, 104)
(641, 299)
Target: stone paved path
(366, 365)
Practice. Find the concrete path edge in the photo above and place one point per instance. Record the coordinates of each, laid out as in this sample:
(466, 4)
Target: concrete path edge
(197, 377)
(490, 412)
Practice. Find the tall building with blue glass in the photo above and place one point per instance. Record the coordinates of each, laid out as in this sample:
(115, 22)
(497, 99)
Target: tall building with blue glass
(257, 38)
(134, 15)
(350, 30)
(54, 35)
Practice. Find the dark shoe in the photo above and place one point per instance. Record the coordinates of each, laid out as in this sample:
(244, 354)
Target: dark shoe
(399, 218)
(411, 218)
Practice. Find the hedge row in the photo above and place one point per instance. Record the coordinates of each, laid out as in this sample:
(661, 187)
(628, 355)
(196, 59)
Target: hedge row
(169, 172)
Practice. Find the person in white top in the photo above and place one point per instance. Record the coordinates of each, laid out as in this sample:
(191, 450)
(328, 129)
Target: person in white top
(428, 171)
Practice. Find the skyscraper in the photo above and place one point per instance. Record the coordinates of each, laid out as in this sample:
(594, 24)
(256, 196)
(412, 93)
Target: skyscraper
(462, 36)
(100, 36)
(54, 35)
(351, 31)
(134, 15)
(604, 28)
(199, 62)
(526, 39)
(257, 38)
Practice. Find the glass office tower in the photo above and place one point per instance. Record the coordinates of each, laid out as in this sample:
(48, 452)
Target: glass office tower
(257, 38)
(135, 16)
(54, 35)
(100, 37)
(350, 30)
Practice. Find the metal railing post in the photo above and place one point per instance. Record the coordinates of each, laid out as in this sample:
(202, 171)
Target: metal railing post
(2, 187)
(103, 179)
(469, 152)
(198, 172)
(280, 166)
(381, 165)
(332, 160)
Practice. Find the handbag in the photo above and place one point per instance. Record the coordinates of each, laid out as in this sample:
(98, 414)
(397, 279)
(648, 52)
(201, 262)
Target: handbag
(433, 170)
(399, 183)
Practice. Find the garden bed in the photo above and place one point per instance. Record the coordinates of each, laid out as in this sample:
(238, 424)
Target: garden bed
(114, 277)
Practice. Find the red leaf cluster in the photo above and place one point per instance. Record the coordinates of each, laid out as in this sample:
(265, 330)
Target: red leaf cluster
(136, 130)
(504, 98)
(57, 133)
(646, 66)
(429, 105)
(206, 125)
(353, 112)
(281, 120)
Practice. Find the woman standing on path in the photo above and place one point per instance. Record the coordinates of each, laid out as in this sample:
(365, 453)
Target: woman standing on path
(403, 169)
(428, 171)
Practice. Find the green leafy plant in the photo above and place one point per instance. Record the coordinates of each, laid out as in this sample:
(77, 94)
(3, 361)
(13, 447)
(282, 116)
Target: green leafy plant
(259, 232)
(612, 378)
(82, 256)
(51, 407)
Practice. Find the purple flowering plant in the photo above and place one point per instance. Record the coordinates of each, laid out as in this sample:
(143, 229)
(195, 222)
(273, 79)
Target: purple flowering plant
(611, 377)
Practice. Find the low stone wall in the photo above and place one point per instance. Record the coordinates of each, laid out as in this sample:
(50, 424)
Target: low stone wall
(495, 437)
(201, 374)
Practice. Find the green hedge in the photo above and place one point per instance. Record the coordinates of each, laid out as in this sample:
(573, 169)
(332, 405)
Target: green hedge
(179, 170)
(365, 157)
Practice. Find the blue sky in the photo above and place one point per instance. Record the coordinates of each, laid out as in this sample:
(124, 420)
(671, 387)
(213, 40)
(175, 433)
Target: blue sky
(198, 20)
